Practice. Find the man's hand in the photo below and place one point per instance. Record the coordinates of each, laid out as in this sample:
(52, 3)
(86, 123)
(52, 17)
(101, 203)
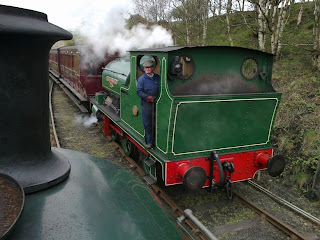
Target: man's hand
(150, 99)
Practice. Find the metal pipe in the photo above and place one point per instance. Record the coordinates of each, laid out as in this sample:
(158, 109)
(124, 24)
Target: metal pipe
(206, 231)
(221, 179)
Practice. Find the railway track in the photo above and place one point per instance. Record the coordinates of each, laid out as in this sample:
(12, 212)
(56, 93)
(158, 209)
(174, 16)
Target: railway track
(53, 130)
(286, 203)
(180, 214)
(291, 232)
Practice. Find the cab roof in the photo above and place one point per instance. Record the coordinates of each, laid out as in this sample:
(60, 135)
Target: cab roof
(175, 48)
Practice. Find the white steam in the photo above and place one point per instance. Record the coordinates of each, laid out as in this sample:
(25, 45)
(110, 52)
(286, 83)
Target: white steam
(86, 121)
(112, 36)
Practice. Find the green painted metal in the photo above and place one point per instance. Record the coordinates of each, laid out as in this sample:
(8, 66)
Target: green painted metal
(115, 74)
(100, 97)
(223, 66)
(226, 124)
(98, 201)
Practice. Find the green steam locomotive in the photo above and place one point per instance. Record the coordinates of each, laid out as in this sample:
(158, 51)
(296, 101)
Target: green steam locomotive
(213, 118)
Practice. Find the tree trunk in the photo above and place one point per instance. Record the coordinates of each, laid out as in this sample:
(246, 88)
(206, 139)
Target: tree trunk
(241, 5)
(316, 35)
(186, 21)
(262, 8)
(277, 28)
(274, 7)
(279, 25)
(229, 6)
(229, 30)
(300, 12)
(187, 27)
(205, 10)
(219, 7)
(285, 14)
(316, 27)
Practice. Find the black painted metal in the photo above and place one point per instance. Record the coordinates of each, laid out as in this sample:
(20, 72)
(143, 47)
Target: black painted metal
(25, 150)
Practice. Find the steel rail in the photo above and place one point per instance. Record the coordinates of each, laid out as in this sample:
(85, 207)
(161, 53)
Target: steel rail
(286, 203)
(52, 119)
(69, 93)
(292, 233)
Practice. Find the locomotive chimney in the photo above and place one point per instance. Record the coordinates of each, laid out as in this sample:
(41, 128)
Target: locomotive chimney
(25, 150)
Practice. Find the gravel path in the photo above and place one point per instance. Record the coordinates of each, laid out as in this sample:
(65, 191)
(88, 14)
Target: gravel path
(75, 133)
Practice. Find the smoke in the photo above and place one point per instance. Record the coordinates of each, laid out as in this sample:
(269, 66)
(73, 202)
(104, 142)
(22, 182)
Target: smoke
(215, 84)
(86, 120)
(111, 35)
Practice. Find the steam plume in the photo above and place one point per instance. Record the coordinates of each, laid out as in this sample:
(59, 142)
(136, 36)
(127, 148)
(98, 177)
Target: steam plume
(111, 35)
(86, 120)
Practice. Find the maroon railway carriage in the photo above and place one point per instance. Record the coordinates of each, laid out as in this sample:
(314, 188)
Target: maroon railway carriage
(82, 76)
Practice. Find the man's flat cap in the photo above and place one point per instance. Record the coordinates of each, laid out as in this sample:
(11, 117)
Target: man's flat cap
(148, 63)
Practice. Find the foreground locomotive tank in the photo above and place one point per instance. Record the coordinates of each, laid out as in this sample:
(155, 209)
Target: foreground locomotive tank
(71, 195)
(213, 118)
(98, 201)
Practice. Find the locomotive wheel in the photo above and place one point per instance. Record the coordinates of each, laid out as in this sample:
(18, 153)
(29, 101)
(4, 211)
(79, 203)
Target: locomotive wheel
(114, 135)
(229, 190)
(127, 147)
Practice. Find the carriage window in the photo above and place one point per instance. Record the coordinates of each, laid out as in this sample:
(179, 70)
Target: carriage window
(90, 68)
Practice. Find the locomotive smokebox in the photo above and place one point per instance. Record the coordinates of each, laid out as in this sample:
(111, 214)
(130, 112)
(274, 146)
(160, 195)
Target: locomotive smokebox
(25, 150)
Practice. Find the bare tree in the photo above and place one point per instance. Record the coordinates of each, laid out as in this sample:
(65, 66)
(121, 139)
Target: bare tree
(194, 14)
(241, 4)
(205, 15)
(282, 21)
(273, 16)
(219, 7)
(316, 25)
(300, 12)
(229, 7)
(182, 13)
(152, 10)
(262, 7)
